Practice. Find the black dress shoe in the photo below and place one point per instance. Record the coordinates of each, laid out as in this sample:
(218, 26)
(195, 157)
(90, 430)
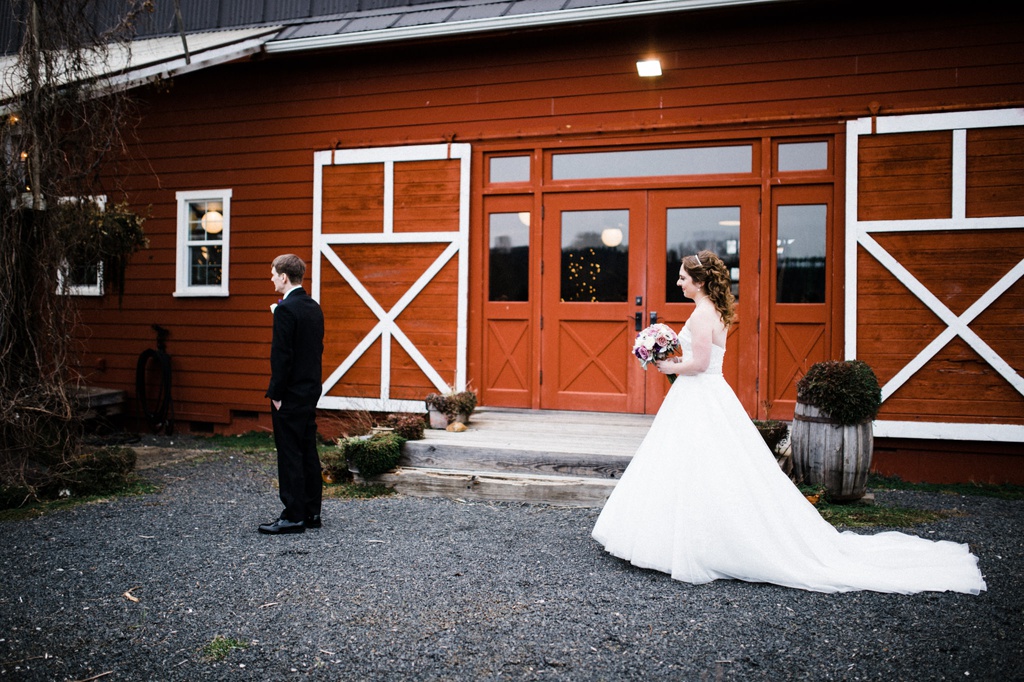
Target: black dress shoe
(282, 526)
(313, 521)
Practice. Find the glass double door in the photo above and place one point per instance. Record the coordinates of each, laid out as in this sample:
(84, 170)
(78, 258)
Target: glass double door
(610, 261)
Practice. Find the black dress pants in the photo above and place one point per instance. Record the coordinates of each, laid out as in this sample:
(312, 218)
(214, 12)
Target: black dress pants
(298, 464)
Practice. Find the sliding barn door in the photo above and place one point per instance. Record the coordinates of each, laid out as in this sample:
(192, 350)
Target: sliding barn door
(390, 268)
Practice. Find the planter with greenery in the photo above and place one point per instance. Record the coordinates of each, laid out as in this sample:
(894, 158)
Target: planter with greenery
(408, 426)
(832, 434)
(372, 456)
(333, 465)
(453, 406)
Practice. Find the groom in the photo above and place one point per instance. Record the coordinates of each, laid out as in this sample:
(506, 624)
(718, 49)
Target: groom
(296, 355)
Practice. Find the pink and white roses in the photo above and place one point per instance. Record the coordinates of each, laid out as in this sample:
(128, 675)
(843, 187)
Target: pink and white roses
(657, 342)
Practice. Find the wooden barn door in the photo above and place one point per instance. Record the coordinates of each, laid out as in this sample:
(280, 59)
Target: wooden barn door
(935, 271)
(594, 269)
(390, 269)
(610, 265)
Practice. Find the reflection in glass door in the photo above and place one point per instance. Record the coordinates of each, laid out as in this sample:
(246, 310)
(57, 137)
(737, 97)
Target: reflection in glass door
(691, 230)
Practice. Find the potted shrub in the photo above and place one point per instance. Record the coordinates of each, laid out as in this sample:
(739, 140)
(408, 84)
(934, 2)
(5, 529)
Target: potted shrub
(333, 466)
(445, 408)
(408, 426)
(372, 456)
(832, 435)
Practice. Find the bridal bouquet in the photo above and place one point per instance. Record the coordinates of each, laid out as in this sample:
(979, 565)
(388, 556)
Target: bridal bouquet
(657, 342)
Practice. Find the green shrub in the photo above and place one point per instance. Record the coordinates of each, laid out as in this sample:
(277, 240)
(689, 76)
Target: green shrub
(847, 391)
(374, 455)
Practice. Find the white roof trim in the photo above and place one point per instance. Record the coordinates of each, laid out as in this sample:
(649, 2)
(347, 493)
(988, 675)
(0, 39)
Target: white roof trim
(568, 16)
(199, 58)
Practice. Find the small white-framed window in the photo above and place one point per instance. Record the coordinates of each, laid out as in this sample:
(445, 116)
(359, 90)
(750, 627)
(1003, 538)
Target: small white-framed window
(82, 279)
(204, 220)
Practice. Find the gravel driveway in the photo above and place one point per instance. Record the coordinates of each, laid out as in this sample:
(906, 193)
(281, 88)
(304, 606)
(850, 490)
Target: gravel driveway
(401, 588)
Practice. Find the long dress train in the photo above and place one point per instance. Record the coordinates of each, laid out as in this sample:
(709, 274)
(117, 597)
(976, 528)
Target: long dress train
(703, 498)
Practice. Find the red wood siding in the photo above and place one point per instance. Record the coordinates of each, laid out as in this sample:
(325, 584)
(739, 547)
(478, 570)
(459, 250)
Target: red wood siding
(254, 126)
(995, 172)
(427, 196)
(905, 176)
(353, 199)
(939, 461)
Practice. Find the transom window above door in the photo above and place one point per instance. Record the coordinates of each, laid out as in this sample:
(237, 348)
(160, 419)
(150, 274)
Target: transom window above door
(646, 163)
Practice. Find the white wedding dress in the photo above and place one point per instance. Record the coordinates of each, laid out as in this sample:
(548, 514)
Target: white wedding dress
(703, 498)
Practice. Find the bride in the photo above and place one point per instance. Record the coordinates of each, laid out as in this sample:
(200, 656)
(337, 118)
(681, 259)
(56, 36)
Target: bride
(703, 497)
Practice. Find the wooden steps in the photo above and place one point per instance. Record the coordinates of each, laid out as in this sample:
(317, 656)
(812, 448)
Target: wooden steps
(566, 491)
(552, 457)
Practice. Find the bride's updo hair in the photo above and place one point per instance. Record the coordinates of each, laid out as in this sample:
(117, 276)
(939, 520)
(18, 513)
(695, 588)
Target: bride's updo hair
(708, 270)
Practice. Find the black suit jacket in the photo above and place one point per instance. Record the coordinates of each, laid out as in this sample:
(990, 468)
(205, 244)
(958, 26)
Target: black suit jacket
(296, 353)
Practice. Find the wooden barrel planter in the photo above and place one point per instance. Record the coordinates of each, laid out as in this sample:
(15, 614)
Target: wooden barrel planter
(829, 454)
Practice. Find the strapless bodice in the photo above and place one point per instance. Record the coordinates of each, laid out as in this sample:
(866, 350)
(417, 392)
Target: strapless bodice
(717, 352)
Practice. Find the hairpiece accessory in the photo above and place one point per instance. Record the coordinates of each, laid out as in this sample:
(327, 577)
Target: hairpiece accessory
(698, 260)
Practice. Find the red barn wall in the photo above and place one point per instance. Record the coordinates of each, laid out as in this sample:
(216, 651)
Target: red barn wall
(253, 127)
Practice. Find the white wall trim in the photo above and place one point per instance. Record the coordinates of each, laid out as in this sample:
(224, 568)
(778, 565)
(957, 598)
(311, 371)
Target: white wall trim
(1011, 433)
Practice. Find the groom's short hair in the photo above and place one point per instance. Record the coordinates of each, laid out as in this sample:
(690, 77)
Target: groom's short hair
(291, 265)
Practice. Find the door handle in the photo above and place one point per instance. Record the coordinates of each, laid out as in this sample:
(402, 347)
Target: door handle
(654, 318)
(639, 320)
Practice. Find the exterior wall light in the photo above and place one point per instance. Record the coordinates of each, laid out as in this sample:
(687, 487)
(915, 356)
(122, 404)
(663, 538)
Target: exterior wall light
(648, 68)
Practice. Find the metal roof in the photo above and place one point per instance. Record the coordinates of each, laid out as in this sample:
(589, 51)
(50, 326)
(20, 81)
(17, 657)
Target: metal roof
(218, 31)
(455, 17)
